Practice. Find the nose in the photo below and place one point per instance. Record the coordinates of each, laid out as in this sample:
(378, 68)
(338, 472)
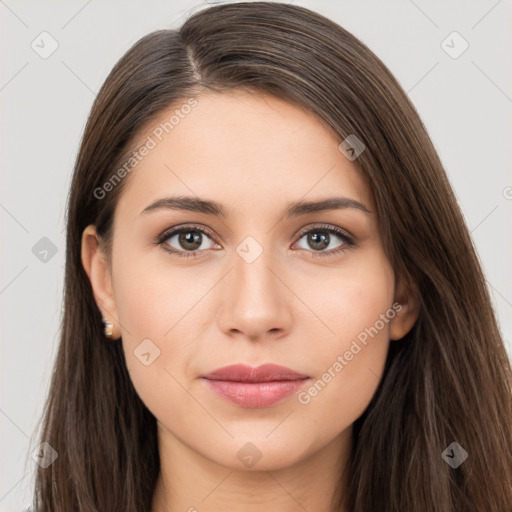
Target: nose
(256, 301)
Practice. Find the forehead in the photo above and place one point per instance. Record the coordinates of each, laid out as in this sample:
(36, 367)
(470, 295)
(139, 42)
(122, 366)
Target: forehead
(243, 149)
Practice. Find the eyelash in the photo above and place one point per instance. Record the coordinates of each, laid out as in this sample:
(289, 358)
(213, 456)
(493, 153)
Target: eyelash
(347, 241)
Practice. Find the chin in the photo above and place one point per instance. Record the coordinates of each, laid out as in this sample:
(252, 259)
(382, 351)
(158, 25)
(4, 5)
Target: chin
(259, 454)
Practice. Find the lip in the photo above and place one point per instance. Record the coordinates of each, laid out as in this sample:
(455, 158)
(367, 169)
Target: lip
(246, 386)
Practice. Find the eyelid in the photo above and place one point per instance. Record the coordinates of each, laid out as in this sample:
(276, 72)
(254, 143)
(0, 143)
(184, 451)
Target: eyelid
(182, 227)
(326, 227)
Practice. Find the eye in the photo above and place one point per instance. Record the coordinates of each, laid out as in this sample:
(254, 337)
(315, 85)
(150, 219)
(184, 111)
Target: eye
(320, 238)
(188, 238)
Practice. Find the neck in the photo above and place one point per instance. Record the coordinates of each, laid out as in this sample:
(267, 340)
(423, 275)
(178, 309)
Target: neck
(189, 482)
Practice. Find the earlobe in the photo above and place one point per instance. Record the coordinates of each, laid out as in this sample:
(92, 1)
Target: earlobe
(407, 312)
(97, 268)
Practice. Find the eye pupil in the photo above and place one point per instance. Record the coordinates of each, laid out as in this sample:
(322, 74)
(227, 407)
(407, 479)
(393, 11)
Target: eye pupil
(190, 237)
(322, 240)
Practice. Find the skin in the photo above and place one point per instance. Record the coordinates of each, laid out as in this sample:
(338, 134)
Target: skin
(254, 154)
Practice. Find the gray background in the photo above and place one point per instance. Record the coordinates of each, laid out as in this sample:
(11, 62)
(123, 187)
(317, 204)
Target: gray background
(465, 103)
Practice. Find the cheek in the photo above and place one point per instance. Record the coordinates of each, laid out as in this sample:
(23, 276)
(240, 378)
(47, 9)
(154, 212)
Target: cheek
(349, 299)
(162, 317)
(152, 299)
(349, 359)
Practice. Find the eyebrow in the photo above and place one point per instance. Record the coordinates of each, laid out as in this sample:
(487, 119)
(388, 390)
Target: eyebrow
(195, 204)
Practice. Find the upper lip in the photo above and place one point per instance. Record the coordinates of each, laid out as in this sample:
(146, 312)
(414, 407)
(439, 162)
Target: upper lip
(263, 373)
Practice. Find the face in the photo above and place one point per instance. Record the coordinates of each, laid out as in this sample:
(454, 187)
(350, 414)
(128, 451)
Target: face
(311, 290)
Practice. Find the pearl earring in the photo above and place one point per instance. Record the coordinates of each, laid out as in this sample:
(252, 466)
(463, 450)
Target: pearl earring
(108, 327)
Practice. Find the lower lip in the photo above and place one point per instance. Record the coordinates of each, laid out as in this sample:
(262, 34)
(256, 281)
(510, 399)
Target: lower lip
(255, 394)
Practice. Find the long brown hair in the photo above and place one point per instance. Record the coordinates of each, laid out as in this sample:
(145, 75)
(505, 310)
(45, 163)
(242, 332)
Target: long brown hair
(449, 380)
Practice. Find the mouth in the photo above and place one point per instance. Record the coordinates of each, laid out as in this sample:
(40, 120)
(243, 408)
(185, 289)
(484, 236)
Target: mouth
(259, 387)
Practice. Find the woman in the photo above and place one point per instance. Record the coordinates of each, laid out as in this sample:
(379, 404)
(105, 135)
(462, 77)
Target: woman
(272, 300)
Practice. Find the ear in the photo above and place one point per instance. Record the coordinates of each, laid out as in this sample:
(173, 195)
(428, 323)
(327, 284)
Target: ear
(406, 296)
(97, 267)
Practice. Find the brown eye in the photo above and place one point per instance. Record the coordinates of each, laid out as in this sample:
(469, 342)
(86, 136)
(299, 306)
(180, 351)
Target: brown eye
(319, 238)
(318, 241)
(188, 241)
